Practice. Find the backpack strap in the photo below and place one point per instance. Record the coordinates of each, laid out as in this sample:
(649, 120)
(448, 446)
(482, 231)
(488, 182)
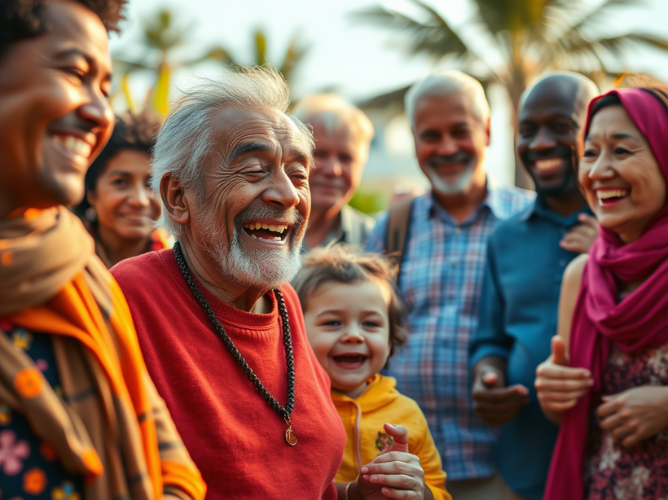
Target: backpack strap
(398, 223)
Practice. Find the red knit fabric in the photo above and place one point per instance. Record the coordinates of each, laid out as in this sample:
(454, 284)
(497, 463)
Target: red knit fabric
(233, 435)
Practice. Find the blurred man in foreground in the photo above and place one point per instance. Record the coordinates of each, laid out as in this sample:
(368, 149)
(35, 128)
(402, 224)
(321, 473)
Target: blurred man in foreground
(526, 258)
(441, 272)
(80, 415)
(342, 135)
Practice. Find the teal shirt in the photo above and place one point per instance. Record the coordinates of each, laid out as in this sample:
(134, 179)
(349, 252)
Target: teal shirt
(518, 317)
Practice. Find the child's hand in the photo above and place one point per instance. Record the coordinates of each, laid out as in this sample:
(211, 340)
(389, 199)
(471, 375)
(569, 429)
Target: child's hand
(394, 473)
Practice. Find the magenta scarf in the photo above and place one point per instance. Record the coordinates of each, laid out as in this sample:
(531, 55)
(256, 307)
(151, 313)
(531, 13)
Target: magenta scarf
(637, 323)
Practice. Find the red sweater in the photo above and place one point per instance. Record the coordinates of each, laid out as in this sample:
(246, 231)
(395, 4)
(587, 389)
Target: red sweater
(233, 435)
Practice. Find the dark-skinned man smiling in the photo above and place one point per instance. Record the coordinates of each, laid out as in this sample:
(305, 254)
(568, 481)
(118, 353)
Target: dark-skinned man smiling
(526, 257)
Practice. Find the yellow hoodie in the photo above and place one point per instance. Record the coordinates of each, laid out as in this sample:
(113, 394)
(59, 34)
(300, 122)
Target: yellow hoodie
(363, 419)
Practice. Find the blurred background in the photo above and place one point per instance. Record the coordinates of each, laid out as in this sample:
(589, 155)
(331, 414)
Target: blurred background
(371, 51)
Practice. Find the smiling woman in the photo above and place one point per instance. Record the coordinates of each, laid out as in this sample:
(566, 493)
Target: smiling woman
(608, 389)
(120, 207)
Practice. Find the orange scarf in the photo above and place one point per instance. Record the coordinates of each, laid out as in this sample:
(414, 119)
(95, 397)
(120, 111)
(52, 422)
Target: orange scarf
(119, 434)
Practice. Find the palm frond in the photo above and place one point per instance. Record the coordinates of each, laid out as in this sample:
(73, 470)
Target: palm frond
(433, 37)
(293, 56)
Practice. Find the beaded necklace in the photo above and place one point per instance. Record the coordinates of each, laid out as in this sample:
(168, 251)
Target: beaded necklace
(290, 435)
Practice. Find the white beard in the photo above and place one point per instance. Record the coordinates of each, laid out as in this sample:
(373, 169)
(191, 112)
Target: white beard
(449, 188)
(264, 269)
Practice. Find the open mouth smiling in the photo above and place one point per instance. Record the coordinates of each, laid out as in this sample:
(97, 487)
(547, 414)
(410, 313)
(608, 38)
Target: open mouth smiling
(269, 232)
(350, 361)
(611, 196)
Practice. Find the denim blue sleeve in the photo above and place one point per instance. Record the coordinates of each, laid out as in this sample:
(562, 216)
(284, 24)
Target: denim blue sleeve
(376, 239)
(490, 339)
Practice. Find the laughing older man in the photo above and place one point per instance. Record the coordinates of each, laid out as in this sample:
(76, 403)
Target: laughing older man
(221, 330)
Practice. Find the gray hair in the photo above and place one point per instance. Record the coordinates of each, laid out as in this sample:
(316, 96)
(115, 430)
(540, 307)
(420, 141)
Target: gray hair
(333, 112)
(443, 83)
(185, 143)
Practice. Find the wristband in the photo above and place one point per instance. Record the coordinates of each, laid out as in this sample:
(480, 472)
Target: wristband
(346, 491)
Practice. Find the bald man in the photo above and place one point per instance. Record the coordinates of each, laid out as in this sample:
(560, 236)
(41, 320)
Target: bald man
(342, 135)
(526, 257)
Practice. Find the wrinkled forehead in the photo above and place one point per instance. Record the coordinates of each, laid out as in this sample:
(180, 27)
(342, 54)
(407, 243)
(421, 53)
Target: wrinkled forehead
(236, 124)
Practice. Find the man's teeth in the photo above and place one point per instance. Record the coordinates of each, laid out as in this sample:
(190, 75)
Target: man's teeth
(611, 193)
(72, 144)
(276, 229)
(274, 238)
(548, 163)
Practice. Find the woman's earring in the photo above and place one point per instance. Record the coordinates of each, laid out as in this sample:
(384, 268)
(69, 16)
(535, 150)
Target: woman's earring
(91, 214)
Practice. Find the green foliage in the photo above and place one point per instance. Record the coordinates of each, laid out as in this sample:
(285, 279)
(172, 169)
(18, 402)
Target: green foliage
(369, 202)
(162, 34)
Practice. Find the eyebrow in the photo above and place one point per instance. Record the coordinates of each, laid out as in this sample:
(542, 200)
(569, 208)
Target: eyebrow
(82, 54)
(249, 147)
(616, 136)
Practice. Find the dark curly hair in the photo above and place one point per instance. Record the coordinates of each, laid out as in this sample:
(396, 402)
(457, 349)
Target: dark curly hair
(136, 132)
(21, 19)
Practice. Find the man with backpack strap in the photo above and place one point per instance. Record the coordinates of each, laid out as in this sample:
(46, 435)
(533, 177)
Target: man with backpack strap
(442, 263)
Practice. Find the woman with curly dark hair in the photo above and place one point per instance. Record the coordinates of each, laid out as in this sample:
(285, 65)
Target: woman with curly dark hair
(79, 415)
(120, 207)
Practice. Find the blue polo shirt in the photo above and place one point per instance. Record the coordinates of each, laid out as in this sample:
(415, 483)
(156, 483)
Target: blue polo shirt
(518, 317)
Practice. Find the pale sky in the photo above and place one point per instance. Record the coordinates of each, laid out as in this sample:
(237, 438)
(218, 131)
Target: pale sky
(356, 60)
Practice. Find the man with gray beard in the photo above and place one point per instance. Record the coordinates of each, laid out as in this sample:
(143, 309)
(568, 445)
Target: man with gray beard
(221, 329)
(441, 272)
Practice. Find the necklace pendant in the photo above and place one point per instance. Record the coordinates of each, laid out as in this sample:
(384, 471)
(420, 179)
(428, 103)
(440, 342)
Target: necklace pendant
(290, 435)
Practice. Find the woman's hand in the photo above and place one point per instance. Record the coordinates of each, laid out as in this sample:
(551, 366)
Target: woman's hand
(635, 414)
(394, 473)
(559, 386)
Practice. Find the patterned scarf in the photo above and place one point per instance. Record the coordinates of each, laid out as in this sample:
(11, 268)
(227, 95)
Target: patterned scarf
(110, 425)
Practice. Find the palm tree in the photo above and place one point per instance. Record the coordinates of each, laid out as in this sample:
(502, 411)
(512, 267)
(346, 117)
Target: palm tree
(531, 36)
(162, 38)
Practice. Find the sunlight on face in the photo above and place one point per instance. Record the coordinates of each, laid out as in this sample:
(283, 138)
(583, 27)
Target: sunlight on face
(620, 175)
(349, 330)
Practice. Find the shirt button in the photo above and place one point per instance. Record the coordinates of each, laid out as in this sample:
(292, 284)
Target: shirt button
(453, 262)
(444, 382)
(564, 230)
(458, 230)
(562, 262)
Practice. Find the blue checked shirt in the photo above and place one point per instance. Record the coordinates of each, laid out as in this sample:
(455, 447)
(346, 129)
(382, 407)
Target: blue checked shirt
(440, 283)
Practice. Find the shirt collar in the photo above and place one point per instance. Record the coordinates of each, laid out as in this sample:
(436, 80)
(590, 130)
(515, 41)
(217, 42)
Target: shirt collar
(539, 209)
(492, 202)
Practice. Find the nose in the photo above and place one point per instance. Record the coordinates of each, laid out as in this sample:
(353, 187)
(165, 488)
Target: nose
(542, 141)
(140, 196)
(352, 335)
(282, 192)
(97, 111)
(330, 166)
(447, 146)
(602, 168)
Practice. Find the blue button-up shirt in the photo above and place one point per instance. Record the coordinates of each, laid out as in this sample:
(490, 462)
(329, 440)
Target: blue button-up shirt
(518, 317)
(440, 283)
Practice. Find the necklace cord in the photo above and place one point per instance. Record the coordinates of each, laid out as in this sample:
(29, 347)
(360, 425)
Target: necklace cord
(229, 344)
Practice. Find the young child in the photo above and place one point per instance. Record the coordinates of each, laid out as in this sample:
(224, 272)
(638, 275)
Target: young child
(353, 321)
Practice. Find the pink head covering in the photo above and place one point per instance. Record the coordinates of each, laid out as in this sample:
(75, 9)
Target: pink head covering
(637, 323)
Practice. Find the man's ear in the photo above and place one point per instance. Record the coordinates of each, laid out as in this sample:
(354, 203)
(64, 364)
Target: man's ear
(488, 130)
(174, 199)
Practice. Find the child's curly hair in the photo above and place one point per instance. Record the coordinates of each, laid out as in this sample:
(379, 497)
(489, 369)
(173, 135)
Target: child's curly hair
(341, 264)
(21, 19)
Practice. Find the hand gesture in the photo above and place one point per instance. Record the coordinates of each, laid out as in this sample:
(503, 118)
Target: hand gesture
(495, 403)
(394, 473)
(580, 238)
(635, 414)
(559, 386)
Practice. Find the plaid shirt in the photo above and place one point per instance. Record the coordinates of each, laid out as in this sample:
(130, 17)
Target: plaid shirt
(440, 283)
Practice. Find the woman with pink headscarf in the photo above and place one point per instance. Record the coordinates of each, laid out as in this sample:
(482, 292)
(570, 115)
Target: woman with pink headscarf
(605, 382)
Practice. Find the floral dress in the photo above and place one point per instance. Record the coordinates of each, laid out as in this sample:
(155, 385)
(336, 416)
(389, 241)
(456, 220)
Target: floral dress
(29, 467)
(640, 472)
